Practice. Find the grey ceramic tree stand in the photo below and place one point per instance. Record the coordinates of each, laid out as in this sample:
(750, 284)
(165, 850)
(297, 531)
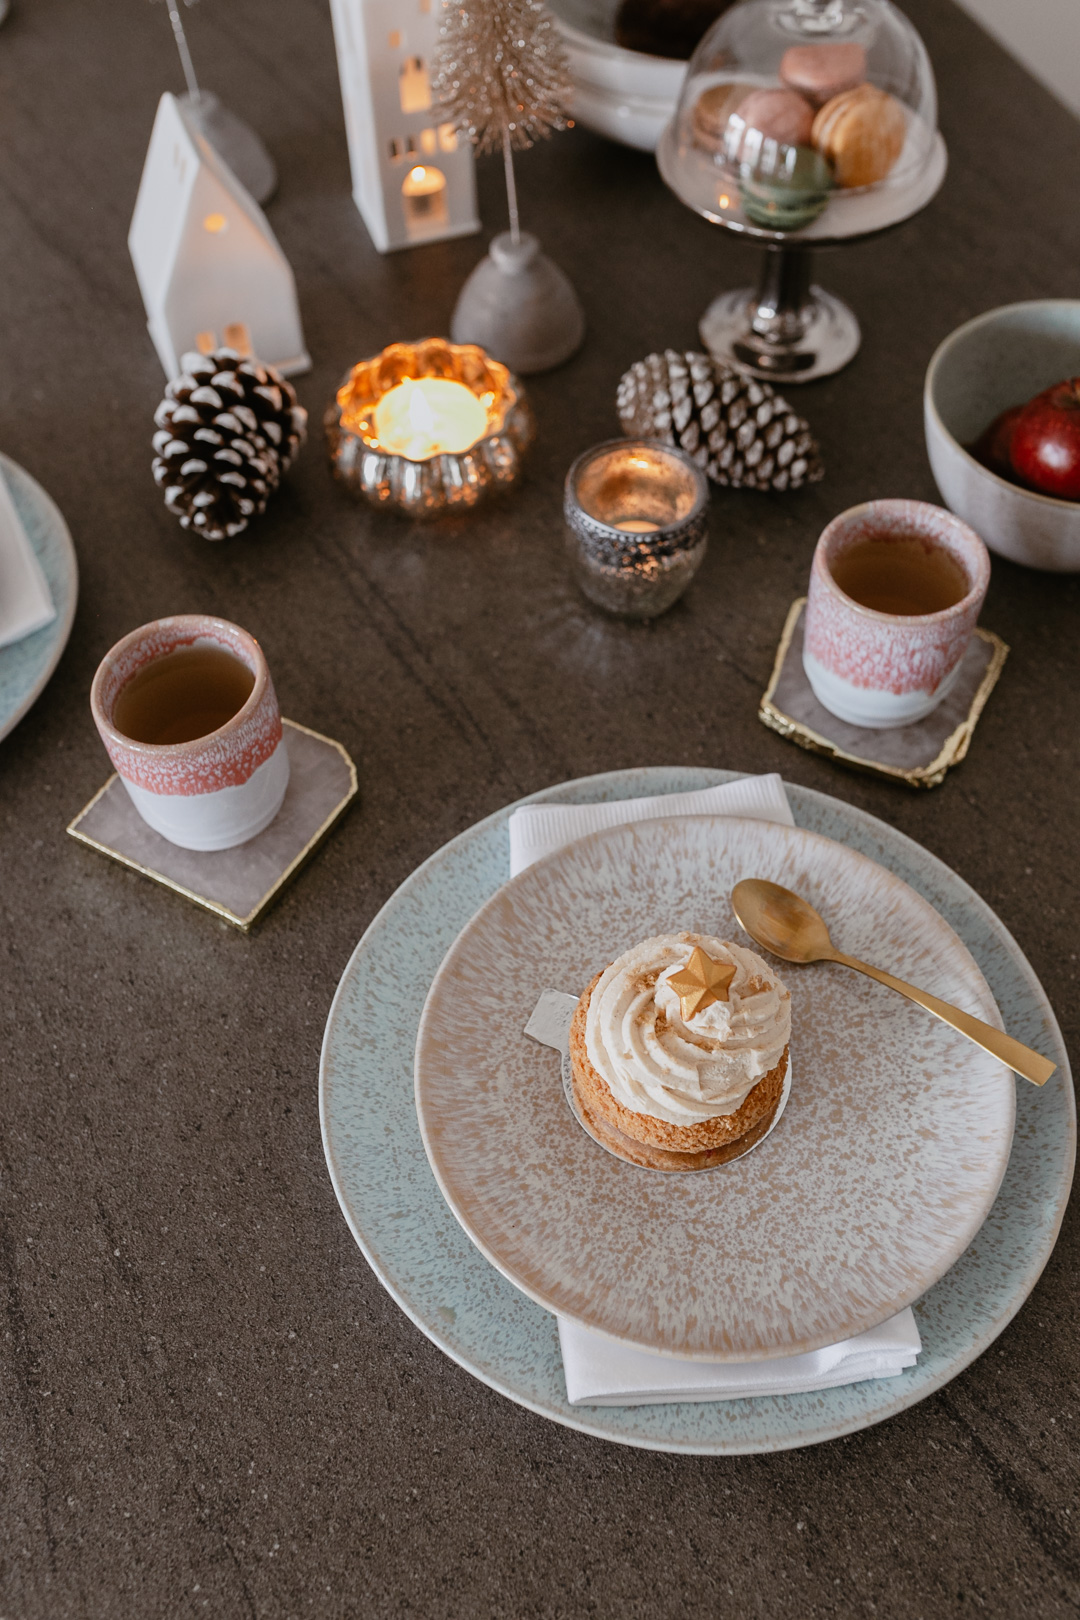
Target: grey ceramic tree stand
(520, 307)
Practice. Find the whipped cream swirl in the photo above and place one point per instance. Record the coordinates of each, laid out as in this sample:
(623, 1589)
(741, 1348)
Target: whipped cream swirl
(685, 1072)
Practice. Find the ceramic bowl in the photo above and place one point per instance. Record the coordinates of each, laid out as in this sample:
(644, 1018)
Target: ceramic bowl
(996, 360)
(625, 95)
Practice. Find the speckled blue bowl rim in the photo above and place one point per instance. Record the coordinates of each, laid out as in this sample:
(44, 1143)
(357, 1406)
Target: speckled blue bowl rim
(445, 1286)
(26, 665)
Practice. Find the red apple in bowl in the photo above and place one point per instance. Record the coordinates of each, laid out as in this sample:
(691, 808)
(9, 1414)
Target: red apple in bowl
(991, 448)
(1043, 445)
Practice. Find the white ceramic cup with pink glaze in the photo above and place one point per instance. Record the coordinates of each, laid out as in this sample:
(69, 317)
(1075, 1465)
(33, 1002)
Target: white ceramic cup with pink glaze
(213, 791)
(881, 670)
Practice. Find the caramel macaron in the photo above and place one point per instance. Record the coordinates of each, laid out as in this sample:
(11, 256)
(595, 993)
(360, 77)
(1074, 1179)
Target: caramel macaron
(820, 72)
(861, 133)
(712, 110)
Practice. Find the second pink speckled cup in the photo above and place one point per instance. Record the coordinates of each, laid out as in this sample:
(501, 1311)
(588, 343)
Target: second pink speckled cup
(882, 670)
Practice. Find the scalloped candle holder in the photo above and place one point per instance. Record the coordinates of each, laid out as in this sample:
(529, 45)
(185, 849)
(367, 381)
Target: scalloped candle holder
(445, 482)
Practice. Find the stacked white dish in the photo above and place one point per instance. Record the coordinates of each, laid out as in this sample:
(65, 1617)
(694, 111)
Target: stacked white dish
(623, 94)
(462, 1302)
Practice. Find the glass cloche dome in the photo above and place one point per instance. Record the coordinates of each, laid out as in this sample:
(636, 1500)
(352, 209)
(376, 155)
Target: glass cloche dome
(810, 116)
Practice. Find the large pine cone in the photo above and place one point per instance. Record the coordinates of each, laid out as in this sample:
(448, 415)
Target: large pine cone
(228, 428)
(737, 429)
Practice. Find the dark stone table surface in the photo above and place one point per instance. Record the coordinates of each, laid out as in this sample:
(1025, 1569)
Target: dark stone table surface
(208, 1405)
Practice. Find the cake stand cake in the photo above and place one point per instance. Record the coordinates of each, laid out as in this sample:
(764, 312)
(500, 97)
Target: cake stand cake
(802, 124)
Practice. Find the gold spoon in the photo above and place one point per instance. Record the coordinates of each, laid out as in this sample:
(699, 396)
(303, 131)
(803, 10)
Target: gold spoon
(791, 928)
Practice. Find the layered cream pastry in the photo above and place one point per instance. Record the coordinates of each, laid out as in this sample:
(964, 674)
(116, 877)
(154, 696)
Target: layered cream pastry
(682, 1043)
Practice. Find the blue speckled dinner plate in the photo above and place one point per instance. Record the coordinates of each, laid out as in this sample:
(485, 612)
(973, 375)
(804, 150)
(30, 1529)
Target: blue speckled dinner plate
(424, 1259)
(25, 666)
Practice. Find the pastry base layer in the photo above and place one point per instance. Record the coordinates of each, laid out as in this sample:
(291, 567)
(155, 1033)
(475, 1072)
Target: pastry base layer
(657, 1143)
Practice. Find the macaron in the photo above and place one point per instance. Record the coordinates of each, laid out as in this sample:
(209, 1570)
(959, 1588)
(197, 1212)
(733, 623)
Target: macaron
(782, 116)
(861, 133)
(791, 194)
(822, 71)
(712, 111)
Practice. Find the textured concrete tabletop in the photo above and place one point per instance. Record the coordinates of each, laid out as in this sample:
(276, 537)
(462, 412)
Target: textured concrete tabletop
(208, 1405)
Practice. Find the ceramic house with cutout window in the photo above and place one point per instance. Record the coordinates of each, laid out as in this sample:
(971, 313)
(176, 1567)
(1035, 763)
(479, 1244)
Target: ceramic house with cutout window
(413, 178)
(205, 255)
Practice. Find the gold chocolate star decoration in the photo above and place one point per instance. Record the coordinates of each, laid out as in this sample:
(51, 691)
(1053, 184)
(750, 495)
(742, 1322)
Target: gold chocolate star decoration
(701, 982)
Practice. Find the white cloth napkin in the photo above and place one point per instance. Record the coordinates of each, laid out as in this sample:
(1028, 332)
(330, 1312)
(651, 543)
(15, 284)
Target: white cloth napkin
(600, 1371)
(537, 830)
(25, 601)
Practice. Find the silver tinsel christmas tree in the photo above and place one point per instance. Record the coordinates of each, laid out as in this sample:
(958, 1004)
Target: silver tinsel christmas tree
(501, 70)
(501, 78)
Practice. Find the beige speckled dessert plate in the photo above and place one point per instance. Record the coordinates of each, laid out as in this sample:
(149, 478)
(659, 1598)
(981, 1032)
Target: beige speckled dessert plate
(887, 1160)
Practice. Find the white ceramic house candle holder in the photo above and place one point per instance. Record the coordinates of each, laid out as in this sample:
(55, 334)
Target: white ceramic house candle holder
(204, 253)
(413, 178)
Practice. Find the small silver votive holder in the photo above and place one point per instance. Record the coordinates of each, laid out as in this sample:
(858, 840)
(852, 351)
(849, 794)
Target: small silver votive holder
(636, 525)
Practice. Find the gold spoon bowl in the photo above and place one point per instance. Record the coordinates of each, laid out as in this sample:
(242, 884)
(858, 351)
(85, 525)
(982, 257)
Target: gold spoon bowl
(788, 926)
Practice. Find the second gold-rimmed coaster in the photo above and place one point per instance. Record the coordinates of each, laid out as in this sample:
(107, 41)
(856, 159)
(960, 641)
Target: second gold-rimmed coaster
(241, 884)
(918, 754)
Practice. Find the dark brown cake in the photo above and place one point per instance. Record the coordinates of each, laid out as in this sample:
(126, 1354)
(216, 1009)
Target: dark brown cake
(665, 27)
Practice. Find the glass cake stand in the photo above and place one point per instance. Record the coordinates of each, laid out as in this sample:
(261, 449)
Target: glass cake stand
(802, 124)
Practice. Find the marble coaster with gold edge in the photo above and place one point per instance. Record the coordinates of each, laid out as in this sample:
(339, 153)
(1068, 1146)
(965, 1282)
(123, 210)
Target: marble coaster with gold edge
(240, 884)
(919, 754)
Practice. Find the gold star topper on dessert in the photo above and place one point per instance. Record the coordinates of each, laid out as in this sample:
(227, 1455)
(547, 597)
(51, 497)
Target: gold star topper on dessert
(701, 982)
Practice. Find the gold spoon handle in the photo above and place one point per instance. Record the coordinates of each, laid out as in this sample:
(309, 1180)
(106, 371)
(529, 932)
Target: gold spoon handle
(1030, 1064)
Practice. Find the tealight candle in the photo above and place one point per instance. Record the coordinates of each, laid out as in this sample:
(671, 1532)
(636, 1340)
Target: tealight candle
(429, 427)
(423, 187)
(430, 416)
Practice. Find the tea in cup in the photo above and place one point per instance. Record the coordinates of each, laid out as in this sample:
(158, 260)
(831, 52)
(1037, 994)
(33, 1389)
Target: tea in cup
(895, 592)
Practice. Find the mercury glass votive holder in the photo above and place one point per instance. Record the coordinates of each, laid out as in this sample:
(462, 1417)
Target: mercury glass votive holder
(441, 482)
(636, 525)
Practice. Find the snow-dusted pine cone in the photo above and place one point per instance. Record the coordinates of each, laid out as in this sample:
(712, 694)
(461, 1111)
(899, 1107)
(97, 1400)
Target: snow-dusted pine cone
(228, 428)
(740, 431)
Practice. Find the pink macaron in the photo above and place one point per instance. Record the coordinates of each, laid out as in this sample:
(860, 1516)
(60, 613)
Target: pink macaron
(782, 116)
(822, 71)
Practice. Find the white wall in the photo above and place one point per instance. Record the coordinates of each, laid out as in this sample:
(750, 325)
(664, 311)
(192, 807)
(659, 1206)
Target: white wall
(1043, 34)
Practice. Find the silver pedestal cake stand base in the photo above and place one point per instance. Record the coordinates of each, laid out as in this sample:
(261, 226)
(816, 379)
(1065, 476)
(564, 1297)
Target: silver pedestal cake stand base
(785, 329)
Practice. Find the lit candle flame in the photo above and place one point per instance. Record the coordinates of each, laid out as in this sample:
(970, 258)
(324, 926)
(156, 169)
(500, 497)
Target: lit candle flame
(429, 416)
(421, 416)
